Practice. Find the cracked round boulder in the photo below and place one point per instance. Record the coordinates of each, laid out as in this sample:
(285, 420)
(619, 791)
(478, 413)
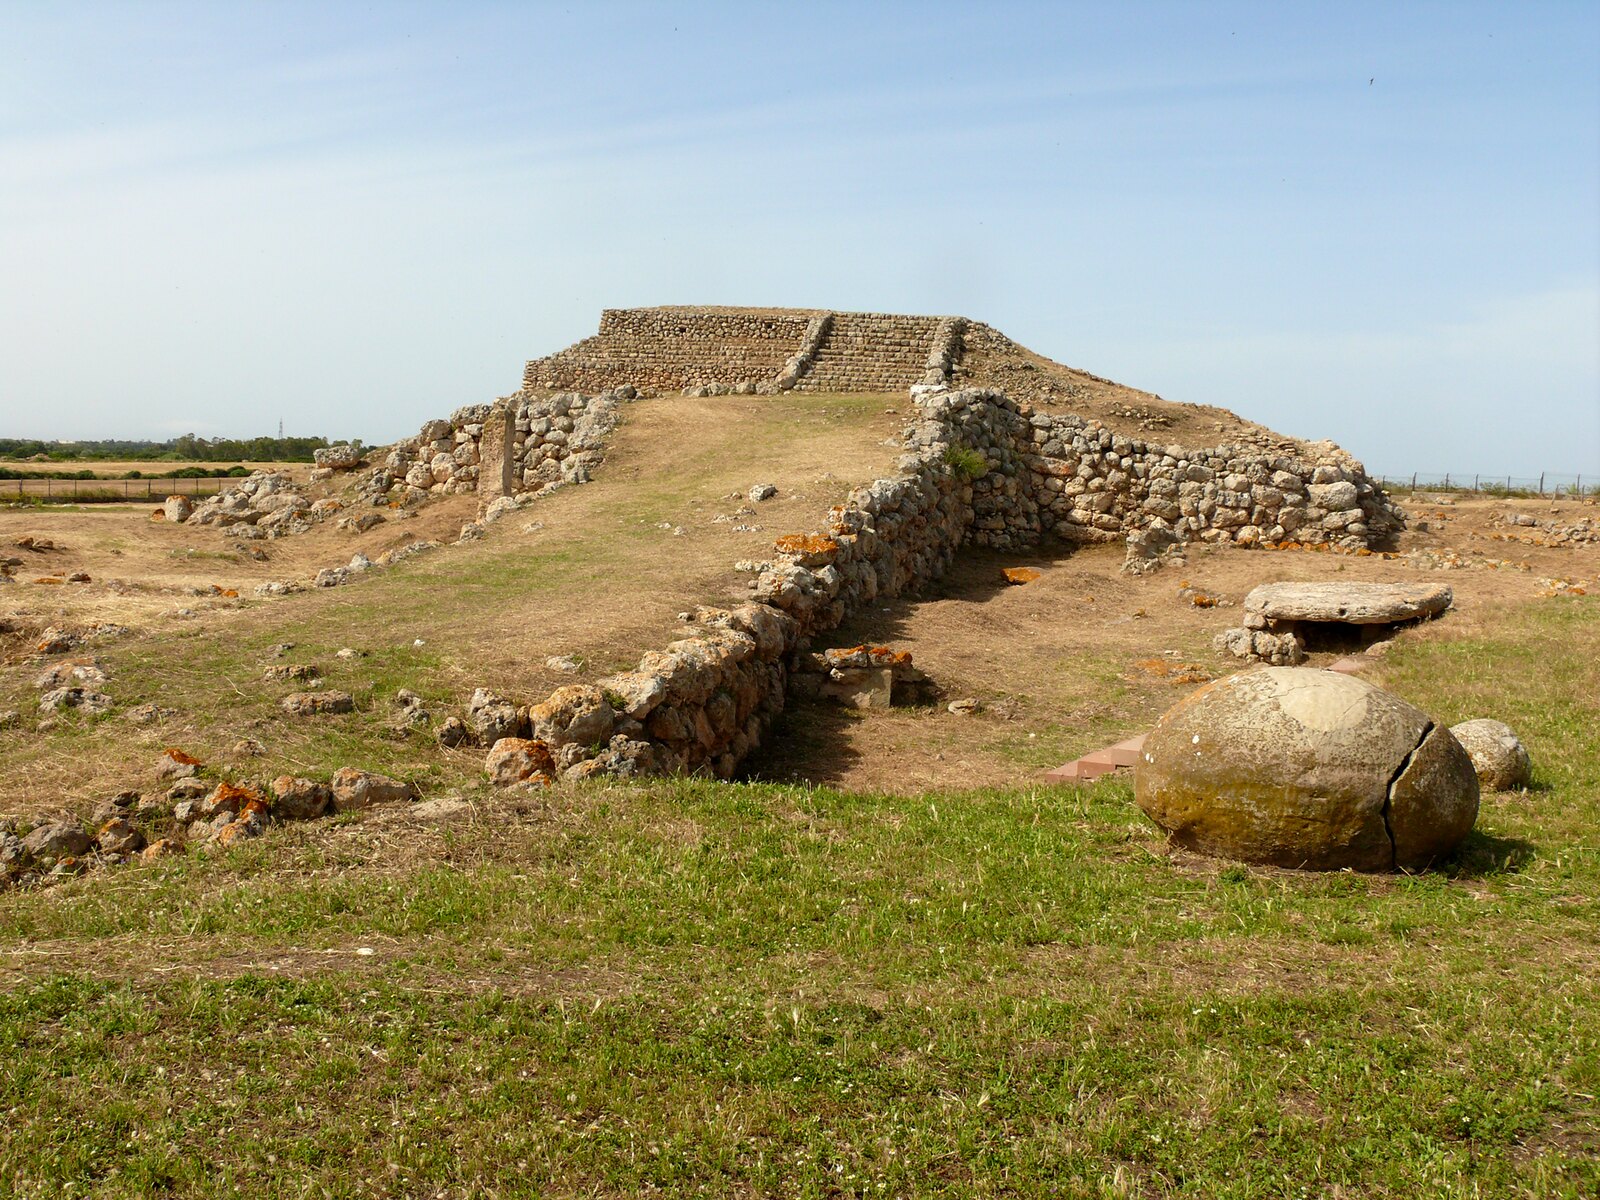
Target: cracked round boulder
(1309, 769)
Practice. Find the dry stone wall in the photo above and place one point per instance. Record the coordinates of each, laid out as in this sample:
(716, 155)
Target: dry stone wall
(980, 468)
(518, 445)
(754, 350)
(668, 349)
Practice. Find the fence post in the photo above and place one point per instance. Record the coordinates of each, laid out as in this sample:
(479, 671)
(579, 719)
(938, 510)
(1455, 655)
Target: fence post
(1541, 483)
(1475, 479)
(1413, 481)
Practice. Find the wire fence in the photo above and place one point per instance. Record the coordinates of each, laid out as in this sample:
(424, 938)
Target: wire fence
(48, 489)
(1547, 484)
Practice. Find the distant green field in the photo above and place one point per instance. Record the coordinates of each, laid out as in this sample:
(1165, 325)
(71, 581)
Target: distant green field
(692, 988)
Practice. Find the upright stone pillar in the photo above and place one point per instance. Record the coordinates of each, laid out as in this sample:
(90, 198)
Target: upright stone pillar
(496, 464)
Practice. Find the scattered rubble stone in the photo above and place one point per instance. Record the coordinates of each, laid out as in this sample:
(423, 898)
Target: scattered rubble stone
(188, 789)
(176, 764)
(1498, 755)
(292, 671)
(313, 704)
(514, 760)
(150, 714)
(56, 840)
(354, 789)
(296, 798)
(57, 641)
(161, 848)
(82, 699)
(453, 732)
(119, 836)
(492, 717)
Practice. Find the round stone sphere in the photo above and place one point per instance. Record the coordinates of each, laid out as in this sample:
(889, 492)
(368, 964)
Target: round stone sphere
(1498, 755)
(1304, 768)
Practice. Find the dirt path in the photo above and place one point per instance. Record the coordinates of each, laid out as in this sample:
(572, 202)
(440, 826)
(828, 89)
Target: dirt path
(597, 572)
(1087, 655)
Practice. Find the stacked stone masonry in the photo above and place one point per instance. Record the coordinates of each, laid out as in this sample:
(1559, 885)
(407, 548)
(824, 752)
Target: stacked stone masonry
(668, 349)
(752, 350)
(979, 468)
(871, 352)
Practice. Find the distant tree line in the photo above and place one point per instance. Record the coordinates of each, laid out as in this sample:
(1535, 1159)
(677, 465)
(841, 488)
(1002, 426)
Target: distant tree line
(187, 448)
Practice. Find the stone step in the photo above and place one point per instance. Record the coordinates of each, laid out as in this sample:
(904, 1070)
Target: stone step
(1118, 757)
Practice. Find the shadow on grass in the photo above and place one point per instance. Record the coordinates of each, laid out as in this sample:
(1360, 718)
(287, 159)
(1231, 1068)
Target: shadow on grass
(1483, 855)
(808, 743)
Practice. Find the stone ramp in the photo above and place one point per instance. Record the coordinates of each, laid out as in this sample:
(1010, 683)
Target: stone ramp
(871, 352)
(668, 349)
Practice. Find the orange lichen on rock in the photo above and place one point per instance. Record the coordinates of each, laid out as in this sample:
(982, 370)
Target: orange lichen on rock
(160, 514)
(1020, 575)
(807, 547)
(178, 756)
(867, 656)
(228, 593)
(48, 579)
(1175, 673)
(1201, 600)
(230, 797)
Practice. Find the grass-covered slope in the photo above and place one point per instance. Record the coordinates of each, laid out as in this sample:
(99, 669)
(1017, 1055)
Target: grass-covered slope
(760, 990)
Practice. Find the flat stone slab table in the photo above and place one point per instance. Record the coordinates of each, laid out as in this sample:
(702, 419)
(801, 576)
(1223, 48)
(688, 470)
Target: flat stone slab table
(1281, 618)
(1276, 604)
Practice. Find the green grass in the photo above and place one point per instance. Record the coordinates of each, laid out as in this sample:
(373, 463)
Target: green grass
(701, 988)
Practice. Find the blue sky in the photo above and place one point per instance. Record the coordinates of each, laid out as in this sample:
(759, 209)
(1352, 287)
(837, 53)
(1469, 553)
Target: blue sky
(1379, 224)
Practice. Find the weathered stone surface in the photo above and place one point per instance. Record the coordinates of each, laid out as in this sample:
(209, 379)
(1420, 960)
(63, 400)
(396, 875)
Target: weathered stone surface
(453, 732)
(519, 760)
(344, 457)
(1257, 645)
(177, 508)
(492, 717)
(161, 848)
(1498, 755)
(1347, 603)
(577, 713)
(1304, 768)
(176, 764)
(353, 789)
(859, 687)
(119, 836)
(71, 673)
(295, 798)
(57, 839)
(634, 693)
(312, 704)
(83, 699)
